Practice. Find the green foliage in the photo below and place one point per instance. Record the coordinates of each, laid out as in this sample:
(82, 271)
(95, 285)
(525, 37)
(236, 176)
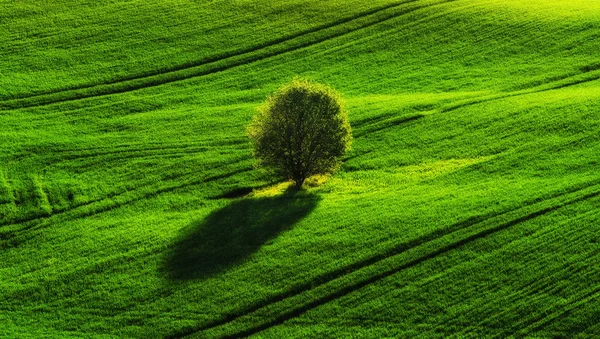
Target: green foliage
(302, 130)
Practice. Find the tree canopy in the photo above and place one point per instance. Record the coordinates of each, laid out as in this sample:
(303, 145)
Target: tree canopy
(301, 130)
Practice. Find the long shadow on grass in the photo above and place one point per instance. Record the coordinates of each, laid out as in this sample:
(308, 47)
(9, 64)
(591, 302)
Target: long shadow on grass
(230, 235)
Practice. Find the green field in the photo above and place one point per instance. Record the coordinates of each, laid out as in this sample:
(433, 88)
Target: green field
(468, 206)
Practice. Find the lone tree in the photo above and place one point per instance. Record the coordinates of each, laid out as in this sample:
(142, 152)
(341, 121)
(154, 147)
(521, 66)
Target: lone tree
(300, 131)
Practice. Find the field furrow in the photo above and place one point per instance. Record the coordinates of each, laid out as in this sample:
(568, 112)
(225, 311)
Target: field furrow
(218, 64)
(320, 294)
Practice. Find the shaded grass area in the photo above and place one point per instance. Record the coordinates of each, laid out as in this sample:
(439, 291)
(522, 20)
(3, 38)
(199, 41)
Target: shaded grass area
(229, 235)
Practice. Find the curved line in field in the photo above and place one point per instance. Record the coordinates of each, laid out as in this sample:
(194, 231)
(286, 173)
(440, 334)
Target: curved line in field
(152, 146)
(133, 154)
(586, 299)
(178, 75)
(542, 285)
(541, 320)
(387, 123)
(349, 289)
(561, 83)
(218, 57)
(111, 206)
(397, 250)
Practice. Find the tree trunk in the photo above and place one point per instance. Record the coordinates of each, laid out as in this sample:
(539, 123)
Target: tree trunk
(298, 183)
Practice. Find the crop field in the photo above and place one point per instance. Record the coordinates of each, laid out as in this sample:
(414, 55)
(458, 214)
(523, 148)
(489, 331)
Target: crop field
(468, 206)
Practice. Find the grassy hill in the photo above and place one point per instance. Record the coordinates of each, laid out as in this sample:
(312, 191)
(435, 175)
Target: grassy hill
(468, 206)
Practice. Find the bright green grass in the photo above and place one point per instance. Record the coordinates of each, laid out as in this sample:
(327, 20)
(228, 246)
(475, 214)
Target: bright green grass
(130, 207)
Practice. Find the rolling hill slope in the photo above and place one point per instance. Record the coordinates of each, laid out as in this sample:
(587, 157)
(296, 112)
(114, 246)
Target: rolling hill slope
(468, 206)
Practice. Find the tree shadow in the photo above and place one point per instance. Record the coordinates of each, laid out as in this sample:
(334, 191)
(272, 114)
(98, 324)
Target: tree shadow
(231, 234)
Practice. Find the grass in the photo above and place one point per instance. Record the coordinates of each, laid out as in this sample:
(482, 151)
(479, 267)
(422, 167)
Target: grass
(130, 207)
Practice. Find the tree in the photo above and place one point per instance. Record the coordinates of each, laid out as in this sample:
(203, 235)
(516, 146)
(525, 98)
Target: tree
(301, 130)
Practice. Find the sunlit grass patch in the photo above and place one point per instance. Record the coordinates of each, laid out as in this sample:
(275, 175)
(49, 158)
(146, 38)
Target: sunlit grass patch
(430, 170)
(272, 191)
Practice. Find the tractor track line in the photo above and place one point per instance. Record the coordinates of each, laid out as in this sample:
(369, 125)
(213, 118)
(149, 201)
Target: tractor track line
(144, 195)
(543, 285)
(151, 146)
(352, 288)
(14, 235)
(385, 124)
(544, 88)
(539, 321)
(157, 80)
(394, 251)
(394, 122)
(216, 58)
